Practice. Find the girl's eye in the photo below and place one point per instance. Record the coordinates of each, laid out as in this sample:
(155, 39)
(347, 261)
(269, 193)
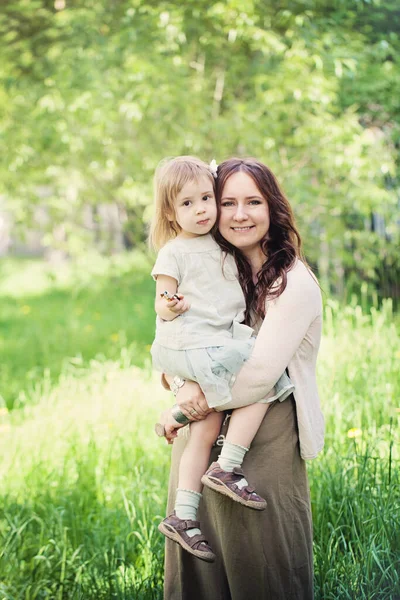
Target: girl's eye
(186, 203)
(206, 197)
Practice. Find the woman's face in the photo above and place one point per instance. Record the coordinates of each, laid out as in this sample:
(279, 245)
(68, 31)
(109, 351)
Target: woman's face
(244, 218)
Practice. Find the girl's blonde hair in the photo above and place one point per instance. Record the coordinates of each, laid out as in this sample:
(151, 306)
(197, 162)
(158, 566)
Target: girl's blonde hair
(170, 177)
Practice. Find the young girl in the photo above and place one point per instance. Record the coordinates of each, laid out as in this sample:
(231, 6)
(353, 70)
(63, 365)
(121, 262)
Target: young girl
(200, 336)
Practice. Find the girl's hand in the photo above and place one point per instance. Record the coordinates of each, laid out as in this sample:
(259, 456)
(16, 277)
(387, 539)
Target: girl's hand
(170, 425)
(178, 307)
(192, 401)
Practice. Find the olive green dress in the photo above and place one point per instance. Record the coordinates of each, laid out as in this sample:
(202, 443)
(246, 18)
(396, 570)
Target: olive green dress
(261, 555)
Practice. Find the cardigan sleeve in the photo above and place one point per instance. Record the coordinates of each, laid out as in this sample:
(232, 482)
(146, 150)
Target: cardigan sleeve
(284, 328)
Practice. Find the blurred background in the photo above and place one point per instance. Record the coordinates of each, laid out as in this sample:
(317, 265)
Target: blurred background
(92, 96)
(95, 94)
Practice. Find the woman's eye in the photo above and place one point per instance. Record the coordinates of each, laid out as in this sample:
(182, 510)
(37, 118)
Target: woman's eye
(227, 204)
(255, 202)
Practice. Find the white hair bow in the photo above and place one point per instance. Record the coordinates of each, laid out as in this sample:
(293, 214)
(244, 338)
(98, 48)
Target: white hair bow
(213, 168)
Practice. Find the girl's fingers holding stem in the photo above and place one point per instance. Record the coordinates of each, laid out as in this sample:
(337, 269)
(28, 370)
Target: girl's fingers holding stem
(173, 303)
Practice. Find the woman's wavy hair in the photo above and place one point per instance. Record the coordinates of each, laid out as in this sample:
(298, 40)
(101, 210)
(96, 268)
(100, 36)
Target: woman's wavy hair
(281, 245)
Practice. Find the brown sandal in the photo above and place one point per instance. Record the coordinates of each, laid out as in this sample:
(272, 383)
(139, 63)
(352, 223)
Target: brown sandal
(225, 483)
(175, 529)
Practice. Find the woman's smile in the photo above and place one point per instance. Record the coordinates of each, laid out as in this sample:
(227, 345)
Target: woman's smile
(243, 229)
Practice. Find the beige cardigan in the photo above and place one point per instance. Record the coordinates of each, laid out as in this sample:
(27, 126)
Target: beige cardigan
(289, 337)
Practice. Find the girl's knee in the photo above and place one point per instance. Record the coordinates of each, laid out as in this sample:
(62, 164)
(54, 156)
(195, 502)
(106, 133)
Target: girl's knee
(207, 430)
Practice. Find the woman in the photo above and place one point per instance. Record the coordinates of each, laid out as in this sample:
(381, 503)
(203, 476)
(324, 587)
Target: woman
(268, 555)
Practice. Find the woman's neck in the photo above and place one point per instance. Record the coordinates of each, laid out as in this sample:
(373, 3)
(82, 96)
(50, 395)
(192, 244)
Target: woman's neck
(256, 258)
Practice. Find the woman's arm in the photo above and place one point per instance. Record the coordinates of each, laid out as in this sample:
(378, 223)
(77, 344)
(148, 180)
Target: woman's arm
(191, 399)
(285, 326)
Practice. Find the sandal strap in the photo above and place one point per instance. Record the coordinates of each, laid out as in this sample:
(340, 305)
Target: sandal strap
(187, 524)
(248, 488)
(196, 540)
(238, 471)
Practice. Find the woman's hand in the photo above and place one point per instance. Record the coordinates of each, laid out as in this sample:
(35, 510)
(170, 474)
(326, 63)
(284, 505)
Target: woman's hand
(170, 425)
(192, 401)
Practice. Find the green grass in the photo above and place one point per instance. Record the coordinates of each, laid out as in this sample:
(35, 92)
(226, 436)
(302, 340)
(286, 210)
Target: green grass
(82, 489)
(355, 485)
(83, 477)
(50, 315)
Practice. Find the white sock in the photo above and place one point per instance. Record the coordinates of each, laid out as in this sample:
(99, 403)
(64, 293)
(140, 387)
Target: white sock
(186, 505)
(232, 456)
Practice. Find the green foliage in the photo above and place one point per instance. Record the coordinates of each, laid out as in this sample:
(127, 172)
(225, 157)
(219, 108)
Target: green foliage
(93, 96)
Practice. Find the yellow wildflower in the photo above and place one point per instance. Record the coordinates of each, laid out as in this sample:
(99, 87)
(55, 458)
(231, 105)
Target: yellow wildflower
(25, 309)
(88, 328)
(354, 432)
(97, 316)
(114, 337)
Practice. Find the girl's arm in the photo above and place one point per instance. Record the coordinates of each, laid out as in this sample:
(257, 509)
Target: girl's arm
(172, 309)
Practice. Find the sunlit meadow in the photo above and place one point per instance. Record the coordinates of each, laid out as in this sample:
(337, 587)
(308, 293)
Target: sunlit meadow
(83, 477)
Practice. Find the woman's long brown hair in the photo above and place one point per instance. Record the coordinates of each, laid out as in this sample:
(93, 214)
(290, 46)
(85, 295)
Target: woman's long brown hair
(281, 245)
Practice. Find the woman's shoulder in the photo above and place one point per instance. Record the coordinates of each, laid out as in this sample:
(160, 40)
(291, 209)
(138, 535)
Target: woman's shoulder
(301, 295)
(303, 287)
(301, 274)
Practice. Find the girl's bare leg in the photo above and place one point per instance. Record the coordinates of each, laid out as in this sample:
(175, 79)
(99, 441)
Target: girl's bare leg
(244, 424)
(225, 476)
(194, 462)
(196, 456)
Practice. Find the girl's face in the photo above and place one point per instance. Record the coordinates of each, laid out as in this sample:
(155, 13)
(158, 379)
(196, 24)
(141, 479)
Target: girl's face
(244, 213)
(195, 208)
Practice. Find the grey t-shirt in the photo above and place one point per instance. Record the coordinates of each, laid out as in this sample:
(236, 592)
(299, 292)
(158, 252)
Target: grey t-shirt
(207, 277)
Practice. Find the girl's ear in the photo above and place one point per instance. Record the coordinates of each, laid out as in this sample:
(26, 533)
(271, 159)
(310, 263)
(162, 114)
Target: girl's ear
(170, 217)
